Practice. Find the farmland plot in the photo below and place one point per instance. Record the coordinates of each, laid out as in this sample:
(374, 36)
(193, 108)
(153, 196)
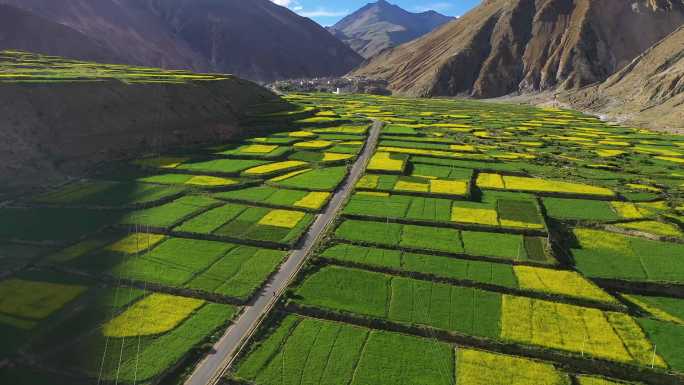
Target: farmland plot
(301, 199)
(318, 179)
(188, 262)
(310, 351)
(193, 181)
(603, 254)
(259, 224)
(609, 335)
(170, 214)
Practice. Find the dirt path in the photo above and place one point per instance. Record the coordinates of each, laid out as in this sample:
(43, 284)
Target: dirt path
(210, 370)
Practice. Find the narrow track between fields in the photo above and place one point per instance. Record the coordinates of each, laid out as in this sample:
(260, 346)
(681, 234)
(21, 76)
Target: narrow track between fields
(214, 366)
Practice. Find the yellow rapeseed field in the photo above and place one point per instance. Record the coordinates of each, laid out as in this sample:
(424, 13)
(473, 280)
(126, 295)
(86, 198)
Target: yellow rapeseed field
(651, 208)
(403, 185)
(597, 239)
(485, 216)
(275, 167)
(258, 149)
(282, 218)
(476, 367)
(135, 243)
(532, 144)
(302, 134)
(154, 314)
(449, 187)
(382, 161)
(313, 145)
(35, 300)
(671, 159)
(490, 181)
(520, 225)
(561, 326)
(544, 185)
(560, 282)
(368, 181)
(653, 227)
(333, 156)
(205, 180)
(313, 200)
(463, 147)
(643, 187)
(615, 143)
(609, 153)
(626, 210)
(588, 380)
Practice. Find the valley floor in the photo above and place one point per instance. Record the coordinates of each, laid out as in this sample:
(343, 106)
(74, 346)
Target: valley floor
(484, 243)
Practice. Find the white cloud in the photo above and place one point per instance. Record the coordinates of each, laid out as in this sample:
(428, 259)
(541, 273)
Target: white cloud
(323, 12)
(439, 7)
(295, 6)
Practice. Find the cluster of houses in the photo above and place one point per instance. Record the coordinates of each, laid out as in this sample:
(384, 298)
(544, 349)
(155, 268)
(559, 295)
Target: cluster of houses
(344, 85)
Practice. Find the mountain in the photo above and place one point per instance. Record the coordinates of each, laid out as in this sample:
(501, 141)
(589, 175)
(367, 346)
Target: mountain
(382, 25)
(254, 39)
(507, 46)
(125, 27)
(21, 30)
(649, 91)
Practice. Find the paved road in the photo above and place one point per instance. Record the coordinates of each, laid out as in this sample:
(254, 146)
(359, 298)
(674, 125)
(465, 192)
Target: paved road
(210, 370)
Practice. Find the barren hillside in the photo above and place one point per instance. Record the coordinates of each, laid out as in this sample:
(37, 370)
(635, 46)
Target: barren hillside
(254, 39)
(22, 30)
(506, 46)
(381, 25)
(649, 91)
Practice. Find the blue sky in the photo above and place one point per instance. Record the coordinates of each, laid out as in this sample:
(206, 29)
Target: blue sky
(328, 12)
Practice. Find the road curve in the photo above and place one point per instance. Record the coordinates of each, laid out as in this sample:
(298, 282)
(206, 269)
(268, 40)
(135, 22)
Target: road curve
(210, 370)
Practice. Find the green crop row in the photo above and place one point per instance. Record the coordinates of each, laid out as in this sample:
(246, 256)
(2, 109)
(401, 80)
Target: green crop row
(494, 245)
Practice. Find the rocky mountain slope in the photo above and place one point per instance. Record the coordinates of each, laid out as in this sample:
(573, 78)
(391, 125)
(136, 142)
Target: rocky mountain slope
(649, 91)
(381, 25)
(21, 30)
(506, 46)
(253, 39)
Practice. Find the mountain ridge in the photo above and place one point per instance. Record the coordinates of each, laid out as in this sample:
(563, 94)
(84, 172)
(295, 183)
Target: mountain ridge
(258, 39)
(381, 25)
(22, 30)
(649, 91)
(508, 46)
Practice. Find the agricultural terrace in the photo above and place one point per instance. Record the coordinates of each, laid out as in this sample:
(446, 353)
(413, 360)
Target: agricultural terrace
(487, 244)
(25, 67)
(128, 276)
